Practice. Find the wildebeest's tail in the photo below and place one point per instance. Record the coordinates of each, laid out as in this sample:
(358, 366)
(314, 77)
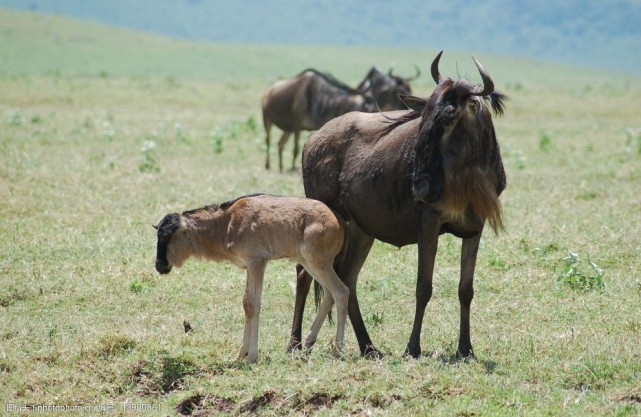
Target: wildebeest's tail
(318, 289)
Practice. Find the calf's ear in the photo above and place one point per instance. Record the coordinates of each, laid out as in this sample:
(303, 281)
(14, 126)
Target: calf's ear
(414, 103)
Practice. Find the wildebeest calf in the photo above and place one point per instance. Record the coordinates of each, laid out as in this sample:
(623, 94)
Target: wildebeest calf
(252, 230)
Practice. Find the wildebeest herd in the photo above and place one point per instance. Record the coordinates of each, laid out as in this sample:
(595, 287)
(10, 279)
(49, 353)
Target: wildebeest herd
(400, 176)
(312, 98)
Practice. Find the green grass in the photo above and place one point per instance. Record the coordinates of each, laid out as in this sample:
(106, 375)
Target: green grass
(93, 154)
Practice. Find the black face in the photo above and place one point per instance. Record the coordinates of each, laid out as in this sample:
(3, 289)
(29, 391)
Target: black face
(167, 226)
(162, 264)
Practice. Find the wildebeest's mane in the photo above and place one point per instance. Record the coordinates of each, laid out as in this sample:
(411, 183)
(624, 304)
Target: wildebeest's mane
(332, 80)
(196, 210)
(393, 123)
(228, 204)
(222, 206)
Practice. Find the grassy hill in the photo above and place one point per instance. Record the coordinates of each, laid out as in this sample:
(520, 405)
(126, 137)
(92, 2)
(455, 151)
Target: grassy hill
(103, 131)
(40, 44)
(586, 32)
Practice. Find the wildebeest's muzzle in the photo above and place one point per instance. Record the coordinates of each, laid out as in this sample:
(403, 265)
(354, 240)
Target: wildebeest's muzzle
(163, 267)
(162, 264)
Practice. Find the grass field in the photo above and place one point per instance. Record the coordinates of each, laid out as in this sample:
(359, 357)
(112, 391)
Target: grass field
(103, 131)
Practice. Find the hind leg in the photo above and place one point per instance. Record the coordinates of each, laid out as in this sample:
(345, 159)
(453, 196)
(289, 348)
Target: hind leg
(337, 293)
(323, 311)
(268, 128)
(296, 148)
(281, 146)
(303, 282)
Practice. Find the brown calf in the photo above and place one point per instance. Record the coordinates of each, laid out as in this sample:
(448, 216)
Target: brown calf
(249, 232)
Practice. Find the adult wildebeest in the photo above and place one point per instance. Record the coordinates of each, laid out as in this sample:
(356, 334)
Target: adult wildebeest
(408, 177)
(386, 88)
(252, 230)
(307, 102)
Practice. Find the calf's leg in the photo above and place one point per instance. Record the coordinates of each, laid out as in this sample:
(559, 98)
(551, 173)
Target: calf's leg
(251, 305)
(358, 248)
(336, 292)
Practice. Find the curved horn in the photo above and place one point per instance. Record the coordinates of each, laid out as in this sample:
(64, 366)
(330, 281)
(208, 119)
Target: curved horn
(418, 74)
(488, 84)
(436, 75)
(408, 79)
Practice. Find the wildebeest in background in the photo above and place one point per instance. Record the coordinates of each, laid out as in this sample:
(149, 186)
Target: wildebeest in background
(386, 88)
(407, 177)
(252, 230)
(307, 102)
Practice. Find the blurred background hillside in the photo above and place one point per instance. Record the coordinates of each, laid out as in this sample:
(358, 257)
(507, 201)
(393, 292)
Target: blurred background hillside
(600, 34)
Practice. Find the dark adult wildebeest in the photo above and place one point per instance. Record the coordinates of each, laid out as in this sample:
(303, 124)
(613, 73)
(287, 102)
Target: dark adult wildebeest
(408, 177)
(386, 88)
(307, 102)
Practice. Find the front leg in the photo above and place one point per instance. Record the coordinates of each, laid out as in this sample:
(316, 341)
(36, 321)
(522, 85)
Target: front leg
(427, 245)
(469, 251)
(358, 248)
(251, 305)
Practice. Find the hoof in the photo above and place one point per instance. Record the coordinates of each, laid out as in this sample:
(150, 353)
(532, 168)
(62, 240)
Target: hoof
(465, 354)
(294, 345)
(337, 350)
(372, 353)
(412, 352)
(337, 353)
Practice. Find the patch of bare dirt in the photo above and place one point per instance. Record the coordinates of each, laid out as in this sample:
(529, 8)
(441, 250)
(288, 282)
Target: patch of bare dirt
(261, 401)
(204, 405)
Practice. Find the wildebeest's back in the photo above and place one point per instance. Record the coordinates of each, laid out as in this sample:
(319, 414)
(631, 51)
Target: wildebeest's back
(350, 161)
(271, 227)
(309, 101)
(285, 103)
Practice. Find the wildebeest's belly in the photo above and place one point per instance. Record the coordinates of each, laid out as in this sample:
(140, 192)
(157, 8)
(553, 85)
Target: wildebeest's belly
(388, 212)
(382, 210)
(398, 231)
(400, 228)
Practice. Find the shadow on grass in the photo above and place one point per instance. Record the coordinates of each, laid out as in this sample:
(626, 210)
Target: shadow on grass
(455, 359)
(165, 373)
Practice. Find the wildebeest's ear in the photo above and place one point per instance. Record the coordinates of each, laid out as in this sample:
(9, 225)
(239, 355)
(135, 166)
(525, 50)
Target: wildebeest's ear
(155, 226)
(414, 103)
